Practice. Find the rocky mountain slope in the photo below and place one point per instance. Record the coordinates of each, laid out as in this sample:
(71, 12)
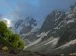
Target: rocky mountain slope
(58, 29)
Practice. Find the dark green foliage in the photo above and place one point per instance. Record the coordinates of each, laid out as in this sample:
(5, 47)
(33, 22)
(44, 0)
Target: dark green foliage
(13, 38)
(7, 38)
(3, 27)
(20, 44)
(16, 41)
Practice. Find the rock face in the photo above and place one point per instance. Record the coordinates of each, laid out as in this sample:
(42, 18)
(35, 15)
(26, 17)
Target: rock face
(61, 24)
(61, 28)
(52, 20)
(58, 29)
(28, 53)
(24, 27)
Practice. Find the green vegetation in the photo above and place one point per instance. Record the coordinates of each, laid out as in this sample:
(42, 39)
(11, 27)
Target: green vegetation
(10, 40)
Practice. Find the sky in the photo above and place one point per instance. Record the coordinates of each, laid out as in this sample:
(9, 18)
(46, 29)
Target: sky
(38, 9)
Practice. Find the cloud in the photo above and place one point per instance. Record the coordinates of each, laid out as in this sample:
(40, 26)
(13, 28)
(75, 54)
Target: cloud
(37, 9)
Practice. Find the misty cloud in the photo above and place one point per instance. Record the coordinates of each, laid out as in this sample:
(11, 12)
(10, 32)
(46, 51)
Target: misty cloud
(37, 9)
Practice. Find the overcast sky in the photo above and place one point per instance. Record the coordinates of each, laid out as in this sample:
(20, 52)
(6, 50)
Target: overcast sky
(37, 9)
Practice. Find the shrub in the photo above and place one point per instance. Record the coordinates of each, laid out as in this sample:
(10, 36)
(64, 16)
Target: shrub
(7, 38)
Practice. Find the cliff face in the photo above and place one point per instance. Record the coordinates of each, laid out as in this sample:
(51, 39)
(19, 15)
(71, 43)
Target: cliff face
(61, 24)
(58, 29)
(52, 20)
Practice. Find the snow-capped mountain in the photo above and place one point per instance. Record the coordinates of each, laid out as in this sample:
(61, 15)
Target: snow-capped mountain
(25, 28)
(58, 29)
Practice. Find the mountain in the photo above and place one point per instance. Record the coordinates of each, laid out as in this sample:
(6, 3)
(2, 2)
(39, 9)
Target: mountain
(26, 25)
(52, 20)
(26, 29)
(61, 24)
(58, 29)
